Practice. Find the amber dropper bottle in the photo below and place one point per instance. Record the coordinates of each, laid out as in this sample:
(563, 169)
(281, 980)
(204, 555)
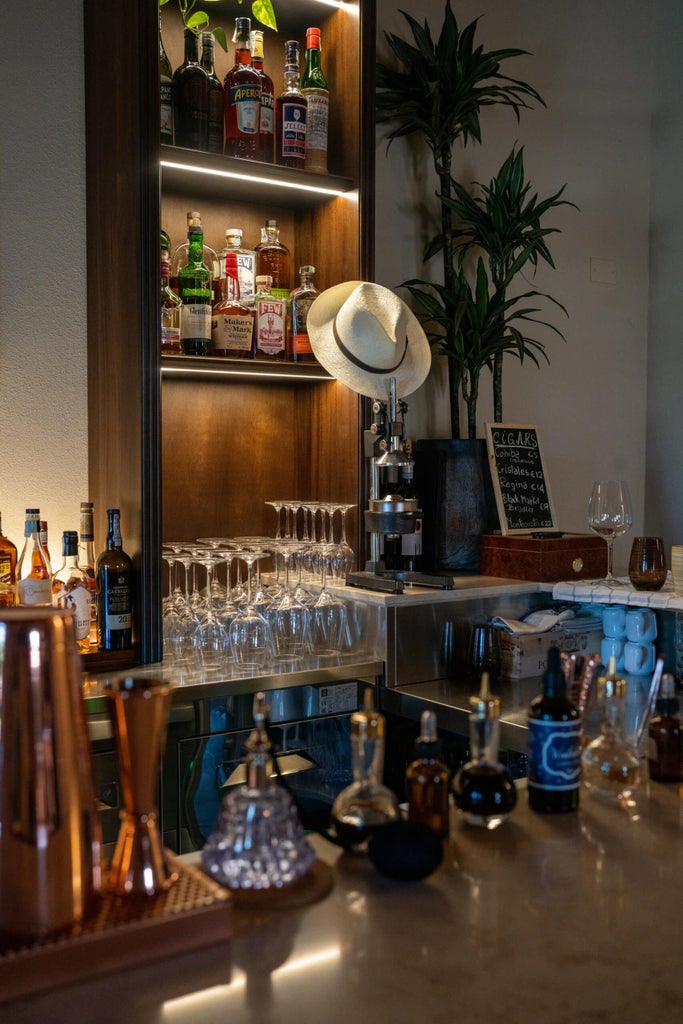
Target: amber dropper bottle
(427, 780)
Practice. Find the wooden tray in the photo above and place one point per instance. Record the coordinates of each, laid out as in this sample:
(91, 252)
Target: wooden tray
(123, 932)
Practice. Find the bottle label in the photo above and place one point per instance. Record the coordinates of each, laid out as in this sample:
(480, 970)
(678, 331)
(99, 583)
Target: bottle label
(166, 110)
(267, 114)
(554, 754)
(246, 99)
(195, 321)
(118, 613)
(78, 601)
(270, 326)
(293, 140)
(170, 337)
(232, 332)
(246, 271)
(5, 571)
(34, 591)
(316, 121)
(301, 344)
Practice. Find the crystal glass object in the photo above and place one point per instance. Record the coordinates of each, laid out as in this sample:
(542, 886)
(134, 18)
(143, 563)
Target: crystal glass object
(258, 841)
(609, 765)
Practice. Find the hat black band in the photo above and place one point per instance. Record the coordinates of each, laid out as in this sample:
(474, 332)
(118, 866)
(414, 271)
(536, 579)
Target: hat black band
(366, 366)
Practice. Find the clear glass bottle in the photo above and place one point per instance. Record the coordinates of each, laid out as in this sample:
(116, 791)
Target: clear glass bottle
(484, 790)
(274, 258)
(171, 305)
(610, 766)
(290, 119)
(554, 744)
(214, 133)
(267, 109)
(427, 780)
(665, 743)
(314, 88)
(33, 568)
(194, 281)
(114, 571)
(8, 571)
(191, 98)
(367, 804)
(242, 98)
(71, 590)
(270, 321)
(246, 262)
(165, 93)
(86, 560)
(43, 538)
(301, 299)
(232, 323)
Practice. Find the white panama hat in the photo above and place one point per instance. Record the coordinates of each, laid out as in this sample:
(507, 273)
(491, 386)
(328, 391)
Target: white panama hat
(364, 334)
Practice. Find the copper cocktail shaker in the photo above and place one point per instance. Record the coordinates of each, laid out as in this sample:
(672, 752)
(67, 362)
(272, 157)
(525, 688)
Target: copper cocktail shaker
(50, 847)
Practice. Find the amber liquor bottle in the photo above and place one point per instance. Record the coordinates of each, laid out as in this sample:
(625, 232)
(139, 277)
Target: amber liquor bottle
(71, 590)
(33, 568)
(8, 570)
(214, 142)
(427, 780)
(301, 299)
(554, 744)
(290, 119)
(242, 98)
(170, 306)
(314, 88)
(194, 283)
(86, 560)
(267, 110)
(191, 98)
(232, 323)
(273, 258)
(114, 590)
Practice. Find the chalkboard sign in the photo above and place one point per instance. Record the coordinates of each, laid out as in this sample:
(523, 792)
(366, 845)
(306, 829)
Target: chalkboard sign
(519, 478)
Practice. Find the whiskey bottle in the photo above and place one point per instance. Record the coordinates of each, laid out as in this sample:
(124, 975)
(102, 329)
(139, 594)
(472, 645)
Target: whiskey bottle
(33, 568)
(114, 590)
(232, 323)
(427, 780)
(314, 88)
(290, 120)
(165, 94)
(43, 539)
(86, 560)
(191, 98)
(215, 96)
(71, 590)
(665, 748)
(242, 98)
(270, 321)
(267, 109)
(194, 281)
(181, 253)
(246, 262)
(300, 302)
(273, 258)
(170, 305)
(611, 768)
(554, 744)
(8, 570)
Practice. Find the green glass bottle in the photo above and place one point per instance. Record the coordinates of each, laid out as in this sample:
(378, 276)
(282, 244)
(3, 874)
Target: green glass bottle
(194, 282)
(314, 88)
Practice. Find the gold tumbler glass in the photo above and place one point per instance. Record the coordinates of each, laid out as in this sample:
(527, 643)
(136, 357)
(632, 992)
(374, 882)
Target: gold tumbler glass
(647, 563)
(50, 847)
(139, 710)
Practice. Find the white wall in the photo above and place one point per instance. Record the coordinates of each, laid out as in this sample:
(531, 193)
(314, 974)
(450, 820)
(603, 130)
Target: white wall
(43, 392)
(592, 64)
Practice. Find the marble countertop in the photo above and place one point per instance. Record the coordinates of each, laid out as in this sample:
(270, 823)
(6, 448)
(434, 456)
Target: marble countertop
(553, 919)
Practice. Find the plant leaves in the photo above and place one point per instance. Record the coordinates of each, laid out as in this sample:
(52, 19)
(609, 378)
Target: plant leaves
(263, 12)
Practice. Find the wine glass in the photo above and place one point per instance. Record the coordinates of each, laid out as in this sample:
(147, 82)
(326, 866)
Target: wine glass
(609, 515)
(251, 637)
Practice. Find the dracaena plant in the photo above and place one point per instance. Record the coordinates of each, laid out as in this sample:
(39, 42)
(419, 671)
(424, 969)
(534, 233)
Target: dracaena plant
(437, 92)
(198, 20)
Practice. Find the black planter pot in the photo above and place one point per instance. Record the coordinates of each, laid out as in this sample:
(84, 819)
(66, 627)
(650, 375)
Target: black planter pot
(453, 480)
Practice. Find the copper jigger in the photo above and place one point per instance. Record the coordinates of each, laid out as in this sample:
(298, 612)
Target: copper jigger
(139, 712)
(50, 847)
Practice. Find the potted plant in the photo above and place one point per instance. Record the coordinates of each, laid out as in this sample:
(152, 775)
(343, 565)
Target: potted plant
(477, 314)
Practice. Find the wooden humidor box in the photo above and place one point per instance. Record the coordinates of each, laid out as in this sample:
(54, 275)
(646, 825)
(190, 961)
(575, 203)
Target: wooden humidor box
(574, 556)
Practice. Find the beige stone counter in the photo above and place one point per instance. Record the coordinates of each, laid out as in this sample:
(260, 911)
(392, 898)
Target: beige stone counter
(552, 920)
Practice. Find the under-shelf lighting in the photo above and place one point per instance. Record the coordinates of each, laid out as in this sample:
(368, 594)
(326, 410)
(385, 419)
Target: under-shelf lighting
(343, 4)
(188, 371)
(319, 189)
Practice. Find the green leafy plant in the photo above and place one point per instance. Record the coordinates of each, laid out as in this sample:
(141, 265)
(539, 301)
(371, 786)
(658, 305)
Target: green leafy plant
(438, 93)
(198, 21)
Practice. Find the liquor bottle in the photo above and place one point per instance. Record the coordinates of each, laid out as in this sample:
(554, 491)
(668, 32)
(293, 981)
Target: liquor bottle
(242, 98)
(267, 109)
(273, 258)
(214, 142)
(270, 321)
(366, 805)
(246, 262)
(290, 119)
(484, 790)
(427, 780)
(43, 539)
(71, 590)
(8, 570)
(300, 303)
(191, 98)
(114, 571)
(611, 768)
(194, 282)
(181, 253)
(164, 240)
(314, 88)
(170, 305)
(33, 568)
(165, 94)
(665, 748)
(554, 745)
(232, 323)
(86, 560)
